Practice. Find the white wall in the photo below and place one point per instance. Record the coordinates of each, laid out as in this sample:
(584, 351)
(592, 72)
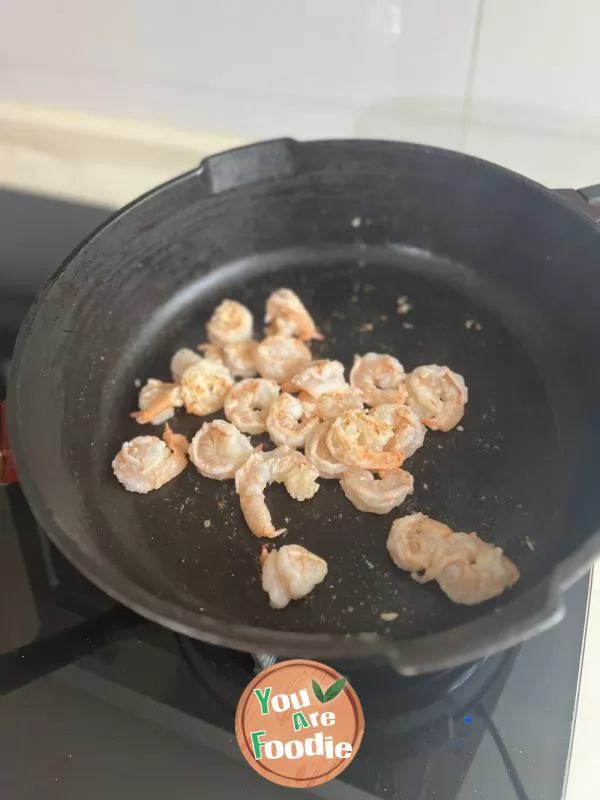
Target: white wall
(513, 80)
(535, 102)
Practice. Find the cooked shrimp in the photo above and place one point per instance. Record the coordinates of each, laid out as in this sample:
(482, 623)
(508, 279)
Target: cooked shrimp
(218, 450)
(248, 402)
(230, 322)
(290, 421)
(146, 463)
(282, 465)
(239, 358)
(181, 360)
(204, 387)
(157, 400)
(380, 378)
(470, 575)
(409, 431)
(332, 405)
(279, 357)
(414, 541)
(376, 496)
(319, 455)
(357, 440)
(212, 353)
(438, 395)
(467, 569)
(318, 378)
(286, 314)
(290, 573)
(306, 398)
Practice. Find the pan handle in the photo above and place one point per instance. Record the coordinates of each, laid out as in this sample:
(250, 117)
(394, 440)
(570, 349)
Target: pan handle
(250, 164)
(531, 613)
(44, 656)
(591, 193)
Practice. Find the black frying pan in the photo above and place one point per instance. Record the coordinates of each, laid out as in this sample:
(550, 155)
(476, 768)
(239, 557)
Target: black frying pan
(465, 240)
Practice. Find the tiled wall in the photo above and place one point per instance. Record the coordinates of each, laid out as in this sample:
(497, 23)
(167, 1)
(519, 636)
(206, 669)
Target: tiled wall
(535, 102)
(512, 80)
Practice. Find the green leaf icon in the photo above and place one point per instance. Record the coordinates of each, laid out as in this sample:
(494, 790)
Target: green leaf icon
(335, 688)
(330, 693)
(318, 692)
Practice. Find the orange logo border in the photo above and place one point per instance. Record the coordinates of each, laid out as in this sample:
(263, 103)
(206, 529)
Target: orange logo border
(243, 736)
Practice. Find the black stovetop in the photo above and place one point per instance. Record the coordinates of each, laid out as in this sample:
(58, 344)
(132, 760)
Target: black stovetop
(498, 729)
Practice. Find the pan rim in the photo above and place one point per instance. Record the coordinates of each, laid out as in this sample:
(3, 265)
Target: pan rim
(407, 655)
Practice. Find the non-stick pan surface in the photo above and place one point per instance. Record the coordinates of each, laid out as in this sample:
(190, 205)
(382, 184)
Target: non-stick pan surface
(502, 279)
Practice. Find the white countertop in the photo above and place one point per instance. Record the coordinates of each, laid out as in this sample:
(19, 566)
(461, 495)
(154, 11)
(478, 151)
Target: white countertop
(583, 780)
(110, 162)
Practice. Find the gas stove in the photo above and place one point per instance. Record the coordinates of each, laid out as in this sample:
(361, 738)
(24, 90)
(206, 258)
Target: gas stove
(499, 728)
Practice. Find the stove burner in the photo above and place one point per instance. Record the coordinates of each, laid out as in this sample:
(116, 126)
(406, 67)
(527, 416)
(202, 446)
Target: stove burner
(397, 707)
(263, 661)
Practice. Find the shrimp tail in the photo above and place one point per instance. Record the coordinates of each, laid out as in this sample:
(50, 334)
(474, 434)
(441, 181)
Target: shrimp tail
(306, 331)
(175, 441)
(264, 554)
(162, 403)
